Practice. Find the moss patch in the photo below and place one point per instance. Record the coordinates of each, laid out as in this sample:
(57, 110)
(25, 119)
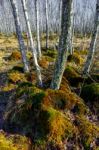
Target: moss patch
(91, 92)
(15, 77)
(13, 142)
(15, 56)
(76, 58)
(72, 76)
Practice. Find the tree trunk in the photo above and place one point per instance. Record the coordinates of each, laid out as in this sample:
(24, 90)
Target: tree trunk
(38, 29)
(34, 53)
(70, 40)
(19, 34)
(63, 45)
(93, 42)
(47, 25)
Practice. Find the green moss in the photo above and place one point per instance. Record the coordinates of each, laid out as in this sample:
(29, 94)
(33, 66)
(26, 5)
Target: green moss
(13, 142)
(88, 130)
(64, 100)
(72, 76)
(16, 77)
(51, 53)
(70, 72)
(91, 92)
(75, 58)
(57, 125)
(51, 116)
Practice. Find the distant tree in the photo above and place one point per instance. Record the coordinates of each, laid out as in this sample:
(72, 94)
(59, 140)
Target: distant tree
(1, 2)
(38, 28)
(19, 34)
(71, 30)
(47, 24)
(34, 52)
(63, 44)
(93, 42)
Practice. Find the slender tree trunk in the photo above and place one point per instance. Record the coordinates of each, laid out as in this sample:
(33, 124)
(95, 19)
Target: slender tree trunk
(70, 40)
(47, 25)
(19, 34)
(34, 53)
(60, 16)
(63, 45)
(38, 29)
(93, 42)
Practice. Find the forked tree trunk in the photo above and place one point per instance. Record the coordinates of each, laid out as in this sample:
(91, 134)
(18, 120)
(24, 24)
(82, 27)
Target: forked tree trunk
(93, 42)
(63, 45)
(19, 34)
(47, 25)
(34, 53)
(38, 29)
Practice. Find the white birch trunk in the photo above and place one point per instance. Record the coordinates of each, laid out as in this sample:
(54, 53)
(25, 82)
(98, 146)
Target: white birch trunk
(19, 34)
(93, 42)
(70, 40)
(34, 53)
(47, 25)
(38, 29)
(63, 45)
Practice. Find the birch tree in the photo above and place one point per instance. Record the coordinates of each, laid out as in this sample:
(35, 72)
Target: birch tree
(63, 45)
(71, 31)
(47, 24)
(38, 28)
(93, 42)
(19, 34)
(34, 53)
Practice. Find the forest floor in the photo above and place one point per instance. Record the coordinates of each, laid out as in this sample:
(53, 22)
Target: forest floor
(8, 85)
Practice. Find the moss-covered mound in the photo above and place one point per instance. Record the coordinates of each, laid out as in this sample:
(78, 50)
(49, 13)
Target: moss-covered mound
(91, 92)
(88, 131)
(16, 76)
(76, 58)
(64, 100)
(72, 76)
(13, 142)
(50, 117)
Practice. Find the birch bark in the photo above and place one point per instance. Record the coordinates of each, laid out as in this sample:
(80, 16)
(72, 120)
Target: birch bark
(93, 42)
(19, 34)
(34, 53)
(63, 45)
